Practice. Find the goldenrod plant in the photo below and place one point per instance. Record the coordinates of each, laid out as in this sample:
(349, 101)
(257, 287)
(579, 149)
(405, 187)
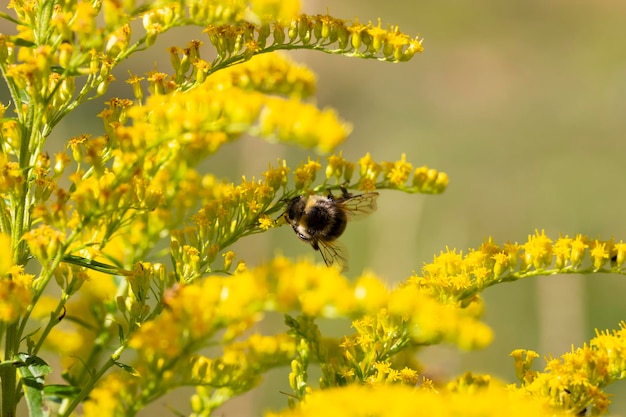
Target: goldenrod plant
(97, 319)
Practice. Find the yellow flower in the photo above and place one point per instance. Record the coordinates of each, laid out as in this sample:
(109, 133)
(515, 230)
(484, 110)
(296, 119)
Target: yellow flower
(85, 19)
(277, 177)
(11, 177)
(620, 256)
(408, 376)
(370, 292)
(268, 73)
(435, 321)
(335, 166)
(108, 398)
(523, 362)
(430, 181)
(6, 260)
(158, 339)
(266, 222)
(15, 294)
(280, 10)
(538, 250)
(305, 174)
(579, 244)
(399, 171)
(562, 251)
(599, 254)
(44, 242)
(573, 382)
(368, 168)
(501, 263)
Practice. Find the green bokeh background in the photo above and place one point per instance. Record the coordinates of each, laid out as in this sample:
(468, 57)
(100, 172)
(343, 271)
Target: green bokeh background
(521, 103)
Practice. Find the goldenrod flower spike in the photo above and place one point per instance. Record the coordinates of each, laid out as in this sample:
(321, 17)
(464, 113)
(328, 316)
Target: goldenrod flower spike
(455, 276)
(574, 382)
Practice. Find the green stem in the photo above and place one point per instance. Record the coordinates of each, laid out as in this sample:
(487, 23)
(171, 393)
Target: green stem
(21, 219)
(54, 320)
(8, 373)
(86, 390)
(21, 222)
(516, 276)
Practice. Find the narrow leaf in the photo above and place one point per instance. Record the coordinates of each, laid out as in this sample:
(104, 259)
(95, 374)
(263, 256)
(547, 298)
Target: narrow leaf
(127, 368)
(33, 370)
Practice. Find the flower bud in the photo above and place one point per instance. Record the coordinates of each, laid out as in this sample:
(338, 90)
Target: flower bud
(292, 32)
(174, 57)
(120, 301)
(278, 34)
(264, 33)
(65, 54)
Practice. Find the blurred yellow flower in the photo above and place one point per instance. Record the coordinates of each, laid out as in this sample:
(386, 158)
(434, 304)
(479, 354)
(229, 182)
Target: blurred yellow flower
(400, 401)
(6, 260)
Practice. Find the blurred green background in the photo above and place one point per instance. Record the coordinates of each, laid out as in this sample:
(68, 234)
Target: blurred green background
(521, 103)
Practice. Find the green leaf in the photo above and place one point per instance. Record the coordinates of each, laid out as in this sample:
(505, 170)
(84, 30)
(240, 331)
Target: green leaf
(10, 18)
(24, 42)
(60, 390)
(91, 264)
(120, 332)
(127, 368)
(64, 71)
(57, 69)
(33, 370)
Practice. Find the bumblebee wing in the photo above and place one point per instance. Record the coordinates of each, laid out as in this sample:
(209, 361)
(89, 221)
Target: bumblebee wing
(334, 254)
(359, 206)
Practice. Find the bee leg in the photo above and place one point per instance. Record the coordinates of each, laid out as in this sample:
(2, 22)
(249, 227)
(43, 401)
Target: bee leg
(281, 217)
(345, 193)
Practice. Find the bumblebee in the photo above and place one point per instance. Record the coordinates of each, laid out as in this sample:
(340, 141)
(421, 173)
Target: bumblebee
(320, 220)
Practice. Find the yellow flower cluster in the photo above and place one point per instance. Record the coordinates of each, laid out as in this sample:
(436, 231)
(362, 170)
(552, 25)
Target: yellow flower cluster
(454, 276)
(112, 397)
(16, 293)
(47, 63)
(320, 32)
(163, 15)
(228, 213)
(44, 242)
(234, 302)
(269, 74)
(11, 176)
(239, 369)
(574, 382)
(204, 118)
(280, 10)
(305, 175)
(222, 308)
(121, 186)
(6, 262)
(396, 174)
(402, 401)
